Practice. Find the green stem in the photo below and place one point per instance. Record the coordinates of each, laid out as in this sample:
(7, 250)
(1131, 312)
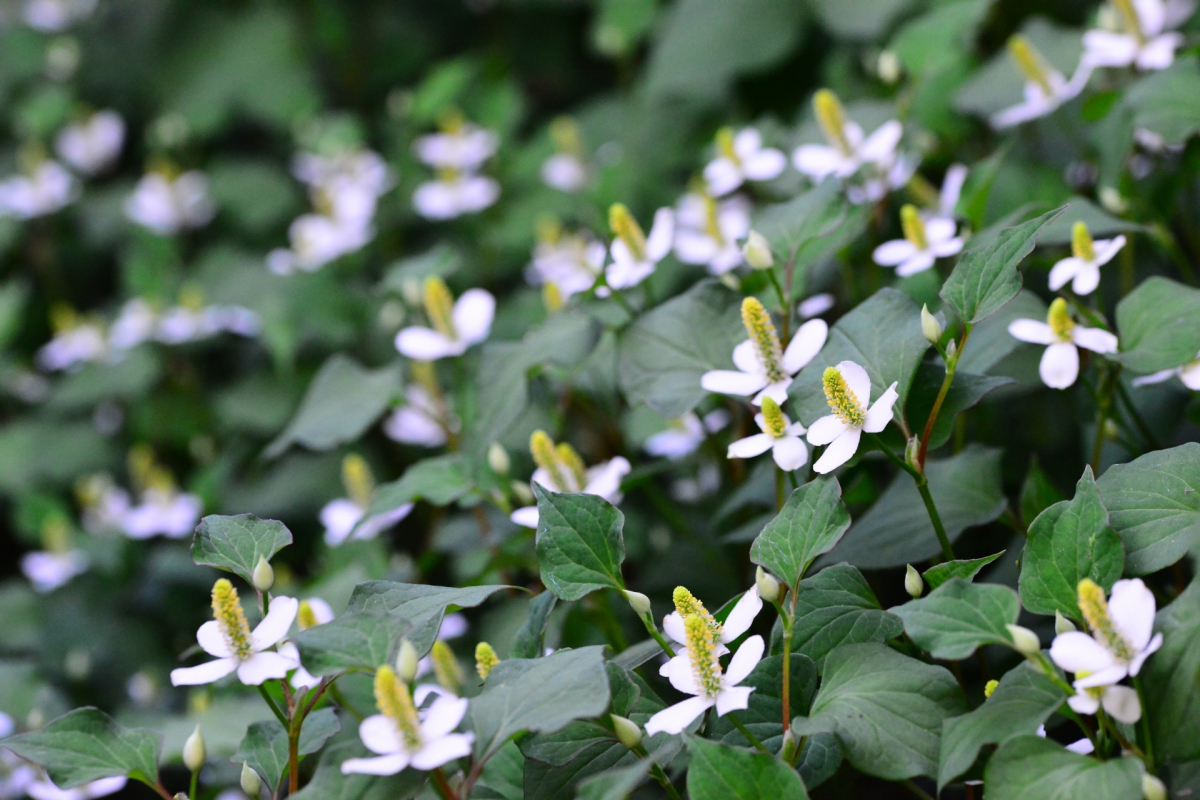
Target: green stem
(951, 367)
(336, 694)
(1046, 669)
(279, 715)
(1137, 418)
(922, 487)
(917, 790)
(778, 489)
(1146, 741)
(623, 303)
(750, 737)
(442, 786)
(657, 772)
(788, 629)
(652, 629)
(784, 310)
(192, 786)
(1104, 400)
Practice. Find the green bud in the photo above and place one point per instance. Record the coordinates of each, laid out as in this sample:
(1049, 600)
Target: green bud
(194, 754)
(523, 493)
(498, 459)
(757, 251)
(263, 576)
(251, 783)
(768, 587)
(912, 453)
(180, 796)
(638, 602)
(913, 584)
(1024, 641)
(932, 329)
(1062, 624)
(787, 750)
(407, 661)
(628, 732)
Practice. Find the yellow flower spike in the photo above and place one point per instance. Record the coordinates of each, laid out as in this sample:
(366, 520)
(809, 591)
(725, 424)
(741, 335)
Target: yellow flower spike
(439, 304)
(990, 688)
(446, 667)
(841, 398)
(565, 134)
(1095, 611)
(140, 463)
(191, 297)
(227, 611)
(923, 191)
(552, 298)
(548, 229)
(570, 461)
(773, 420)
(688, 605)
(56, 534)
(914, 228)
(541, 447)
(1031, 63)
(425, 374)
(1059, 320)
(725, 144)
(394, 701)
(63, 318)
(832, 118)
(1082, 245)
(766, 341)
(711, 224)
(451, 121)
(306, 618)
(485, 659)
(625, 228)
(357, 479)
(702, 651)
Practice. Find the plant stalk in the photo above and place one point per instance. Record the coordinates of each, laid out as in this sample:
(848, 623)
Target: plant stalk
(750, 737)
(951, 368)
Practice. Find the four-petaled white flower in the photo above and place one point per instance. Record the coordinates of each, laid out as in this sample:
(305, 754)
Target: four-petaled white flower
(340, 516)
(92, 145)
(76, 342)
(635, 255)
(236, 647)
(848, 149)
(741, 157)
(1147, 41)
(164, 510)
(1082, 268)
(423, 419)
(848, 392)
(560, 469)
(739, 620)
(1119, 702)
(456, 324)
(565, 172)
(454, 194)
(686, 434)
(1122, 634)
(456, 152)
(461, 146)
(1189, 373)
(53, 16)
(573, 263)
(49, 569)
(1059, 366)
(167, 205)
(763, 370)
(779, 435)
(1045, 87)
(922, 245)
(708, 231)
(47, 188)
(404, 737)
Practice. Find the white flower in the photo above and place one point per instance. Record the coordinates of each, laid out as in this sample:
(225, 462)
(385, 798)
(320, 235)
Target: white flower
(47, 570)
(560, 469)
(565, 172)
(16, 774)
(1060, 363)
(73, 346)
(572, 263)
(455, 194)
(236, 647)
(403, 736)
(922, 245)
(740, 618)
(707, 231)
(1082, 268)
(316, 240)
(53, 16)
(420, 421)
(1147, 42)
(635, 255)
(340, 516)
(700, 674)
(461, 146)
(348, 183)
(815, 306)
(165, 511)
(1120, 640)
(46, 189)
(167, 206)
(952, 184)
(779, 435)
(1189, 373)
(848, 391)
(1045, 87)
(93, 145)
(134, 324)
(1119, 702)
(455, 327)
(686, 434)
(762, 370)
(45, 789)
(741, 157)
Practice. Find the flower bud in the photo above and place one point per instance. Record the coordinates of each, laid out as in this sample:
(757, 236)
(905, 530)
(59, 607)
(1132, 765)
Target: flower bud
(912, 453)
(251, 783)
(523, 493)
(1153, 788)
(628, 732)
(990, 688)
(498, 459)
(913, 583)
(1024, 641)
(407, 661)
(787, 749)
(193, 751)
(757, 251)
(932, 329)
(768, 587)
(1111, 199)
(180, 796)
(638, 602)
(263, 576)
(1062, 624)
(951, 349)
(889, 67)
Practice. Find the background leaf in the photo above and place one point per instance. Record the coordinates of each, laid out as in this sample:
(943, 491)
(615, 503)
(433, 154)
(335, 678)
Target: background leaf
(837, 607)
(1159, 322)
(86, 745)
(1033, 768)
(1169, 680)
(421, 605)
(265, 747)
(958, 617)
(579, 543)
(811, 522)
(355, 640)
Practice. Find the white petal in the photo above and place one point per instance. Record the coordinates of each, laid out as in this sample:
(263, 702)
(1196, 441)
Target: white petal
(947, 248)
(722, 177)
(745, 358)
(695, 247)
(747, 142)
(1135, 666)
(441, 751)
(1105, 677)
(212, 640)
(1121, 703)
(751, 446)
(526, 517)
(744, 661)
(764, 165)
(681, 674)
(818, 161)
(381, 765)
(1075, 651)
(262, 667)
(674, 719)
(734, 698)
(1094, 339)
(880, 412)
(1086, 280)
(839, 451)
(790, 453)
(952, 185)
(1062, 272)
(857, 381)
(939, 230)
(1031, 330)
(604, 480)
(725, 381)
(380, 735)
(1107, 249)
(880, 146)
(443, 716)
(673, 627)
(1059, 366)
(1083, 703)
(1083, 747)
(897, 251)
(1190, 375)
(817, 304)
(825, 430)
(918, 263)
(426, 344)
(472, 315)
(339, 518)
(1109, 49)
(805, 345)
(1159, 53)
(742, 615)
(203, 673)
(1131, 607)
(274, 626)
(777, 391)
(1155, 377)
(662, 232)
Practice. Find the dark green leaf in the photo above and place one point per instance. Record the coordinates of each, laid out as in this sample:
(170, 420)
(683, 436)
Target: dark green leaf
(964, 568)
(420, 604)
(1169, 680)
(836, 607)
(235, 544)
(1033, 768)
(439, 480)
(958, 617)
(1159, 323)
(990, 340)
(528, 643)
(1161, 101)
(328, 782)
(810, 524)
(811, 215)
(503, 776)
(579, 543)
(965, 392)
(720, 772)
(1037, 493)
(355, 640)
(86, 745)
(615, 784)
(265, 746)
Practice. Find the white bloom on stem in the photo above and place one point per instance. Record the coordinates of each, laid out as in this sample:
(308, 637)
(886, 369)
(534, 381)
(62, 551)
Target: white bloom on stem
(92, 146)
(48, 569)
(635, 255)
(685, 435)
(565, 172)
(848, 392)
(1119, 702)
(421, 421)
(135, 323)
(456, 324)
(402, 736)
(741, 157)
(454, 194)
(764, 369)
(167, 205)
(54, 16)
(316, 240)
(707, 231)
(560, 469)
(340, 516)
(1147, 41)
(1045, 87)
(163, 510)
(923, 243)
(46, 789)
(1060, 363)
(75, 343)
(460, 145)
(47, 188)
(456, 153)
(573, 263)
(740, 618)
(348, 182)
(848, 149)
(1082, 268)
(779, 435)
(1121, 634)
(1189, 373)
(236, 647)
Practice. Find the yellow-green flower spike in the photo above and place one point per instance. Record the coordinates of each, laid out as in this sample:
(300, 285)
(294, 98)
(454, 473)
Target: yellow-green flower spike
(833, 120)
(702, 650)
(191, 297)
(565, 134)
(451, 121)
(572, 463)
(227, 611)
(625, 228)
(1129, 18)
(306, 618)
(1095, 611)
(1082, 245)
(1059, 320)
(923, 191)
(485, 659)
(548, 229)
(56, 534)
(63, 318)
(725, 144)
(425, 375)
(711, 224)
(841, 398)
(439, 304)
(552, 298)
(357, 479)
(394, 702)
(541, 447)
(688, 605)
(990, 688)
(1030, 62)
(914, 228)
(446, 667)
(774, 423)
(766, 341)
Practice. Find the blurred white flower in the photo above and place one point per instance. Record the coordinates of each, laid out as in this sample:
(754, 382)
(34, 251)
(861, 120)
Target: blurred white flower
(454, 194)
(47, 570)
(952, 185)
(456, 152)
(1189, 373)
(635, 255)
(1045, 87)
(1082, 268)
(457, 325)
(54, 16)
(460, 146)
(93, 145)
(341, 515)
(923, 243)
(573, 263)
(1059, 366)
(779, 435)
(168, 205)
(421, 421)
(45, 789)
(707, 232)
(16, 774)
(848, 392)
(104, 504)
(816, 305)
(848, 149)
(163, 511)
(315, 241)
(72, 347)
(741, 157)
(560, 469)
(684, 435)
(47, 188)
(135, 323)
(1147, 42)
(1122, 635)
(564, 172)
